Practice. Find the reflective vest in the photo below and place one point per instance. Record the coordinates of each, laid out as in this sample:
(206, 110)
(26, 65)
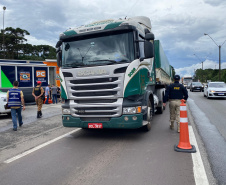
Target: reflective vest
(14, 98)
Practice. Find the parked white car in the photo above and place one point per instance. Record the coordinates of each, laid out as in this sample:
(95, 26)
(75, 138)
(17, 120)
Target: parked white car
(215, 90)
(3, 101)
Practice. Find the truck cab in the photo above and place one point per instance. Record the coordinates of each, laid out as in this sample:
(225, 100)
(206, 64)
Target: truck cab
(108, 77)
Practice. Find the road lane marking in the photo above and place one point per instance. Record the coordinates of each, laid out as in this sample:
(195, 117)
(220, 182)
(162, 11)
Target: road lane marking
(198, 167)
(40, 146)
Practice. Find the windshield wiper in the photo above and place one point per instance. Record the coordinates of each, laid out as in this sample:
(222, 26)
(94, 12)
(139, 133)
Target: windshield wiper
(110, 61)
(74, 65)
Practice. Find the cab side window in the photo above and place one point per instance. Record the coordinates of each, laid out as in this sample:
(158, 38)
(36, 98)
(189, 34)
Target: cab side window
(141, 47)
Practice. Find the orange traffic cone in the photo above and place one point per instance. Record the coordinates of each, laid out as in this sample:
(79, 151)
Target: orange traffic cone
(49, 101)
(184, 143)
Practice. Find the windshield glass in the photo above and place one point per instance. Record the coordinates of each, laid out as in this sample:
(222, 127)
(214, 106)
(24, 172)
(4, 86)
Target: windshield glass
(217, 85)
(196, 83)
(187, 80)
(105, 50)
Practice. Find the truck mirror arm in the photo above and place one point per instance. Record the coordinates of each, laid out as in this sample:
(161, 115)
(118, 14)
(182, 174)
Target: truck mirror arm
(141, 59)
(139, 41)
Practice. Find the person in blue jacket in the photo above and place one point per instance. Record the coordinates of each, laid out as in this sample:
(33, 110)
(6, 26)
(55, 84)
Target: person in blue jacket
(174, 93)
(15, 99)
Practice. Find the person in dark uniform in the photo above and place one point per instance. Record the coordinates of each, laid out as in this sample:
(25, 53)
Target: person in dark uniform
(175, 92)
(38, 93)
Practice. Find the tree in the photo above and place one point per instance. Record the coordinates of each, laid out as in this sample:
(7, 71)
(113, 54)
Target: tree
(17, 48)
(13, 40)
(209, 74)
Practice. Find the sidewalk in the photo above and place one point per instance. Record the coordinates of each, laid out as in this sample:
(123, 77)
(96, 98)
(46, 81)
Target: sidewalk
(30, 115)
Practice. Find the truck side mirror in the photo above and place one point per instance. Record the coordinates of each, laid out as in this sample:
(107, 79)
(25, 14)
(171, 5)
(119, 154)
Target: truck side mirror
(59, 57)
(148, 49)
(59, 53)
(149, 36)
(59, 43)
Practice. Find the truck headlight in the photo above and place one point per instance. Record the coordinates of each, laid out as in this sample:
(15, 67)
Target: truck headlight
(66, 111)
(132, 110)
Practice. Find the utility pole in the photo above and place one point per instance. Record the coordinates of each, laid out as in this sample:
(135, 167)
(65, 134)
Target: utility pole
(199, 60)
(202, 65)
(219, 47)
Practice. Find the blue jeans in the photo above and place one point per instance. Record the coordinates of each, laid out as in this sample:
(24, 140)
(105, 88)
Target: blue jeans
(13, 114)
(47, 99)
(54, 98)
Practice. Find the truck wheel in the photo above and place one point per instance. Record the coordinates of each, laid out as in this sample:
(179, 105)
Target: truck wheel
(9, 114)
(148, 117)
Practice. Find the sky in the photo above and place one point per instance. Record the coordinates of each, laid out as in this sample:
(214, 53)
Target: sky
(178, 24)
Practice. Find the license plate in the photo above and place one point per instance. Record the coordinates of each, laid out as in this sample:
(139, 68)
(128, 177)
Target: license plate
(197, 88)
(221, 94)
(95, 125)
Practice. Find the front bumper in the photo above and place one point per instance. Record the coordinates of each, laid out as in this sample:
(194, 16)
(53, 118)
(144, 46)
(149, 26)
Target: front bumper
(2, 108)
(197, 88)
(217, 95)
(119, 122)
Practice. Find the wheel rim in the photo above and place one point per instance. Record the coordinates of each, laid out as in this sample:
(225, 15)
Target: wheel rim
(149, 114)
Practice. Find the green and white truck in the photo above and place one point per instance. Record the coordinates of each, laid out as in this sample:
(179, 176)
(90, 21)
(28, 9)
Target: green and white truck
(113, 74)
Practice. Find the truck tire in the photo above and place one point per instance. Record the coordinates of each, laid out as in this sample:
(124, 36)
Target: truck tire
(148, 117)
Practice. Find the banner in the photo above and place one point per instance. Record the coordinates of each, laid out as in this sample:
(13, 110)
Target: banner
(25, 77)
(41, 74)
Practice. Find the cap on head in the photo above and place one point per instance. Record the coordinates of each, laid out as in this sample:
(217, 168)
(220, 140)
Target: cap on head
(39, 82)
(176, 77)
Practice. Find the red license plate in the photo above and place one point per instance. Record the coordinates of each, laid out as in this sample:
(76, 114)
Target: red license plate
(95, 125)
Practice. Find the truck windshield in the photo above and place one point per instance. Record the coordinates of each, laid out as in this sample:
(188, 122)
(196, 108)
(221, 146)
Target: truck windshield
(104, 50)
(187, 80)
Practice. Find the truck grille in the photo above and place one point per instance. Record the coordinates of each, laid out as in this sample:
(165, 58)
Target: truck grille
(96, 96)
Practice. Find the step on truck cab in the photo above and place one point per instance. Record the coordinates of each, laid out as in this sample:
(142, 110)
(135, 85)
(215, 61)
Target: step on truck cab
(109, 76)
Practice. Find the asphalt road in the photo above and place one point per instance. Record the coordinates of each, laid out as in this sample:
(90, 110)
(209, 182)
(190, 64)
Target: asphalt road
(210, 119)
(128, 157)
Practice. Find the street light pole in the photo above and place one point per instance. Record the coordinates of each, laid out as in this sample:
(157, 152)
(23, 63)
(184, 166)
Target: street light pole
(219, 47)
(3, 31)
(219, 62)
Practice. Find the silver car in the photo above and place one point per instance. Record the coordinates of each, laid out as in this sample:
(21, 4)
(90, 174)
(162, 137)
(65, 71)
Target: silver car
(215, 90)
(3, 101)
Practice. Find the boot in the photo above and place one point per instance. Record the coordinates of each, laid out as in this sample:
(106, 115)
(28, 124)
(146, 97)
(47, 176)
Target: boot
(172, 125)
(38, 114)
(178, 127)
